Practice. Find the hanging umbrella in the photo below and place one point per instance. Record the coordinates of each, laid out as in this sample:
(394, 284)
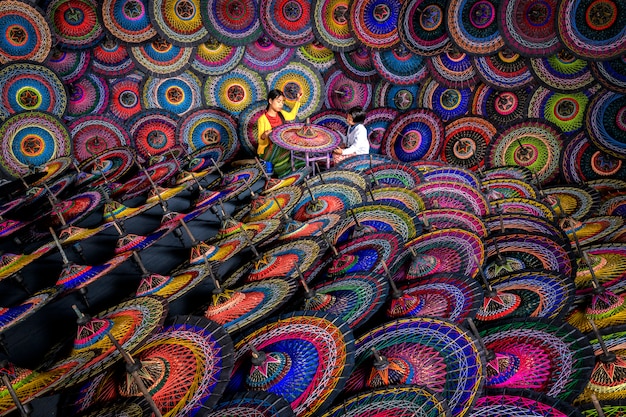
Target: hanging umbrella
(31, 138)
(447, 103)
(109, 166)
(160, 57)
(362, 219)
(180, 24)
(29, 38)
(29, 384)
(257, 403)
(235, 90)
(514, 172)
(87, 96)
(215, 58)
(399, 65)
(301, 339)
(452, 68)
(374, 23)
(529, 28)
(562, 72)
(591, 230)
(605, 133)
(452, 297)
(28, 86)
(271, 206)
(584, 162)
(179, 94)
(69, 65)
(299, 77)
(153, 132)
(400, 196)
(523, 206)
(473, 26)
(110, 59)
(329, 197)
(354, 297)
(399, 97)
(361, 255)
(265, 56)
(501, 107)
(173, 286)
(377, 121)
(232, 23)
(416, 135)
(428, 352)
(527, 294)
(125, 96)
(508, 188)
(504, 70)
(75, 24)
(330, 24)
(343, 92)
(130, 323)
(421, 27)
(548, 357)
(399, 401)
(535, 144)
(520, 251)
(13, 315)
(10, 263)
(357, 64)
(288, 25)
(446, 194)
(521, 403)
(360, 163)
(522, 223)
(566, 110)
(74, 209)
(146, 179)
(318, 226)
(596, 37)
(53, 170)
(438, 219)
(130, 23)
(211, 129)
(238, 308)
(74, 276)
(392, 174)
(316, 54)
(95, 135)
(466, 141)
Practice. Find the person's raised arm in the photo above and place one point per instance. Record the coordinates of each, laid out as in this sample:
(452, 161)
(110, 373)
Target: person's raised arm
(290, 115)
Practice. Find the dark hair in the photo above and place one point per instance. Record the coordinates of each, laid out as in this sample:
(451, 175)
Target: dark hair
(272, 95)
(357, 113)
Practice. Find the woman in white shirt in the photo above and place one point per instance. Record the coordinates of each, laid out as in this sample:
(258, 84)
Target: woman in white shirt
(356, 142)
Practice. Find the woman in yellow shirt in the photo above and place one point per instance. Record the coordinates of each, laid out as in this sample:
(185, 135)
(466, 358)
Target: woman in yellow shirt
(273, 117)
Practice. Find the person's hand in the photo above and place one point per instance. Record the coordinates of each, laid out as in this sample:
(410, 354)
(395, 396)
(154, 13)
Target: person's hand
(299, 96)
(266, 134)
(337, 151)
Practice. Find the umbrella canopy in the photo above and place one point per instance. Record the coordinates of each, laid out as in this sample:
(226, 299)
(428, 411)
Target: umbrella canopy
(75, 24)
(172, 286)
(398, 196)
(314, 351)
(422, 27)
(256, 403)
(519, 403)
(13, 315)
(215, 58)
(538, 354)
(30, 37)
(180, 24)
(374, 23)
(130, 23)
(329, 197)
(445, 218)
(287, 24)
(232, 23)
(453, 195)
(428, 352)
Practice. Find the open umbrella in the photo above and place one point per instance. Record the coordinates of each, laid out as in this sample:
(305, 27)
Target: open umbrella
(454, 174)
(445, 218)
(584, 162)
(180, 24)
(12, 315)
(391, 174)
(69, 65)
(160, 57)
(288, 25)
(174, 285)
(30, 37)
(447, 103)
(399, 401)
(178, 94)
(330, 24)
(453, 195)
(429, 352)
(473, 26)
(398, 196)
(505, 70)
(314, 351)
(549, 357)
(519, 403)
(235, 90)
(572, 201)
(110, 58)
(130, 23)
(466, 141)
(257, 403)
(374, 23)
(421, 27)
(357, 64)
(75, 24)
(236, 24)
(523, 206)
(328, 197)
(501, 107)
(416, 135)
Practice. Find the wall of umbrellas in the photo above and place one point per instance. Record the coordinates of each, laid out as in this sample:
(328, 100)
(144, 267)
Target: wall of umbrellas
(471, 265)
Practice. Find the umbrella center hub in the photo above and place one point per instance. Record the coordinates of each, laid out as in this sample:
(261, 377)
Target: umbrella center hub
(175, 95)
(343, 263)
(526, 154)
(133, 9)
(566, 109)
(128, 99)
(604, 305)
(340, 14)
(403, 99)
(601, 14)
(431, 17)
(498, 306)
(236, 9)
(292, 10)
(539, 13)
(95, 145)
(236, 93)
(381, 13)
(423, 265)
(157, 139)
(450, 99)
(604, 164)
(152, 284)
(29, 98)
(161, 45)
(406, 305)
(464, 148)
(506, 103)
(411, 141)
(32, 145)
(17, 35)
(92, 332)
(274, 368)
(74, 16)
(185, 9)
(482, 14)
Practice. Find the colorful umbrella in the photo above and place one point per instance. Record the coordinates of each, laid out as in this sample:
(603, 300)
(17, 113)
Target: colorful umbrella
(13, 315)
(299, 77)
(447, 102)
(501, 107)
(31, 139)
(604, 131)
(519, 403)
(88, 96)
(69, 65)
(257, 403)
(265, 56)
(215, 58)
(178, 23)
(343, 92)
(565, 110)
(399, 401)
(317, 348)
(466, 141)
(529, 27)
(428, 352)
(400, 97)
(272, 205)
(28, 36)
(582, 161)
(238, 308)
(94, 135)
(399, 65)
(357, 64)
(75, 24)
(374, 22)
(416, 135)
(235, 23)
(235, 90)
(527, 294)
(330, 24)
(576, 202)
(111, 59)
(124, 101)
(538, 354)
(27, 87)
(354, 297)
(153, 132)
(446, 296)
(422, 28)
(287, 23)
(526, 206)
(128, 22)
(174, 286)
(454, 195)
(74, 276)
(178, 94)
(452, 69)
(364, 254)
(159, 57)
(562, 72)
(329, 197)
(473, 26)
(391, 174)
(377, 121)
(210, 129)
